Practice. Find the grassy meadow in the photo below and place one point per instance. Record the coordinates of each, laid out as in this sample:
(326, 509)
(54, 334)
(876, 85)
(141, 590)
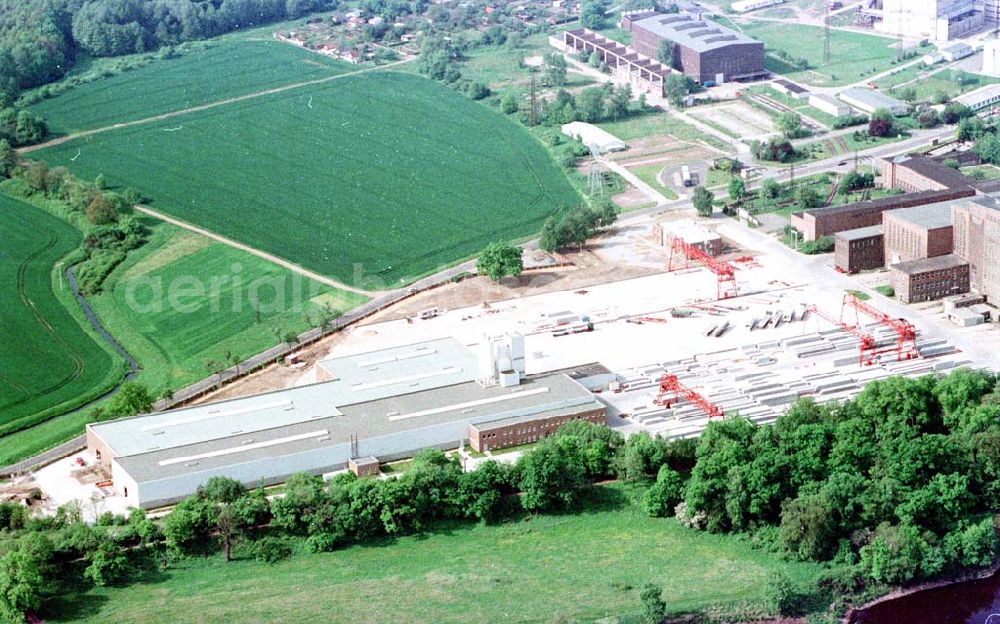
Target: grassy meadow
(354, 173)
(49, 362)
(182, 299)
(853, 56)
(207, 72)
(578, 567)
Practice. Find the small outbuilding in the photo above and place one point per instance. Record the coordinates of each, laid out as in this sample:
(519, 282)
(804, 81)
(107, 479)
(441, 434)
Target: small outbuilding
(363, 466)
(870, 100)
(591, 135)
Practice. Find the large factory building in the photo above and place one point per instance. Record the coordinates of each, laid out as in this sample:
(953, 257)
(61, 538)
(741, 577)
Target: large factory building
(377, 406)
(706, 51)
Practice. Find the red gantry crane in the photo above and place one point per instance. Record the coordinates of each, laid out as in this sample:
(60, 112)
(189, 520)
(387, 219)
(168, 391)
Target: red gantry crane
(725, 273)
(670, 384)
(906, 333)
(868, 348)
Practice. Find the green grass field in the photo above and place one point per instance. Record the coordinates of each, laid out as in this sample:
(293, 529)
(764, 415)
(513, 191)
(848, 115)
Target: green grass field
(549, 568)
(49, 363)
(928, 83)
(343, 177)
(145, 306)
(854, 56)
(217, 71)
(982, 172)
(648, 173)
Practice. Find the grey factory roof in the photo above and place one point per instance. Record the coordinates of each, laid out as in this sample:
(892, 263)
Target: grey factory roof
(933, 170)
(929, 216)
(925, 265)
(871, 99)
(359, 378)
(694, 34)
(408, 414)
(376, 374)
(989, 203)
(859, 233)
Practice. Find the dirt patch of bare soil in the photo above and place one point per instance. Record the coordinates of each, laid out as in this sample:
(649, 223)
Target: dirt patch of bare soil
(584, 268)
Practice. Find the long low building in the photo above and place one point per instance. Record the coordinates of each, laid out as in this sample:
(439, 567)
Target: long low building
(981, 98)
(828, 221)
(920, 173)
(386, 405)
(594, 137)
(871, 100)
(642, 71)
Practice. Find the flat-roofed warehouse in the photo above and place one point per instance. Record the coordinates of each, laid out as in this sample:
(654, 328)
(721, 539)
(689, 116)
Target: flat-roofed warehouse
(387, 404)
(705, 51)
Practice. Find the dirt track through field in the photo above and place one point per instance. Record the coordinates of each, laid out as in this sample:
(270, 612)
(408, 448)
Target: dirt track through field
(260, 254)
(195, 109)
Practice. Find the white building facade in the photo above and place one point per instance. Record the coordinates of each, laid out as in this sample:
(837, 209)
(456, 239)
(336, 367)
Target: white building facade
(942, 20)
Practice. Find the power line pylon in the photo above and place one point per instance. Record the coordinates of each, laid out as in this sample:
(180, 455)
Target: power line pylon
(826, 36)
(595, 175)
(533, 110)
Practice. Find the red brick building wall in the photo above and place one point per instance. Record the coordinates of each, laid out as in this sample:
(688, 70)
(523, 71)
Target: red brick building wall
(905, 241)
(487, 438)
(977, 240)
(826, 222)
(738, 59)
(930, 285)
(859, 254)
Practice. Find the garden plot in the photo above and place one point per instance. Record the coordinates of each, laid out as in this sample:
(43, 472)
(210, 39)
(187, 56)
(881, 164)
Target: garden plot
(736, 119)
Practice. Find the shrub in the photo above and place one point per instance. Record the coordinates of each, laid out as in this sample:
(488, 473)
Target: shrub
(271, 549)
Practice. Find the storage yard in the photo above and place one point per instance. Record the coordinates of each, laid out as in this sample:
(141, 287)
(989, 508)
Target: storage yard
(753, 354)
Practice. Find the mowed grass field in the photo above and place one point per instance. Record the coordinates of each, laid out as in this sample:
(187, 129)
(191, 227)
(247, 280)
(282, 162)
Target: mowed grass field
(384, 175)
(49, 364)
(206, 73)
(182, 299)
(853, 56)
(544, 569)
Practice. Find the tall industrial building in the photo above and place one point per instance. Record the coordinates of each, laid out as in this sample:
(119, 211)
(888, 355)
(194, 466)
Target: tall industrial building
(704, 50)
(937, 19)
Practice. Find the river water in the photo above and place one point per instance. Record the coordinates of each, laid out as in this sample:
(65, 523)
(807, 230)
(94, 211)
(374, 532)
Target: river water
(972, 602)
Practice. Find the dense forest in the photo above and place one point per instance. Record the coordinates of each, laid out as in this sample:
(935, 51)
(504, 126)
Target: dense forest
(902, 482)
(896, 485)
(40, 39)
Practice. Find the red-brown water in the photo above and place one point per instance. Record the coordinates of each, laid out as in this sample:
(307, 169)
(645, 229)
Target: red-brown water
(973, 602)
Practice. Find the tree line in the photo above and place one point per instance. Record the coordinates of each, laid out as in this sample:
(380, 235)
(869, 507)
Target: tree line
(105, 217)
(900, 483)
(44, 560)
(40, 39)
